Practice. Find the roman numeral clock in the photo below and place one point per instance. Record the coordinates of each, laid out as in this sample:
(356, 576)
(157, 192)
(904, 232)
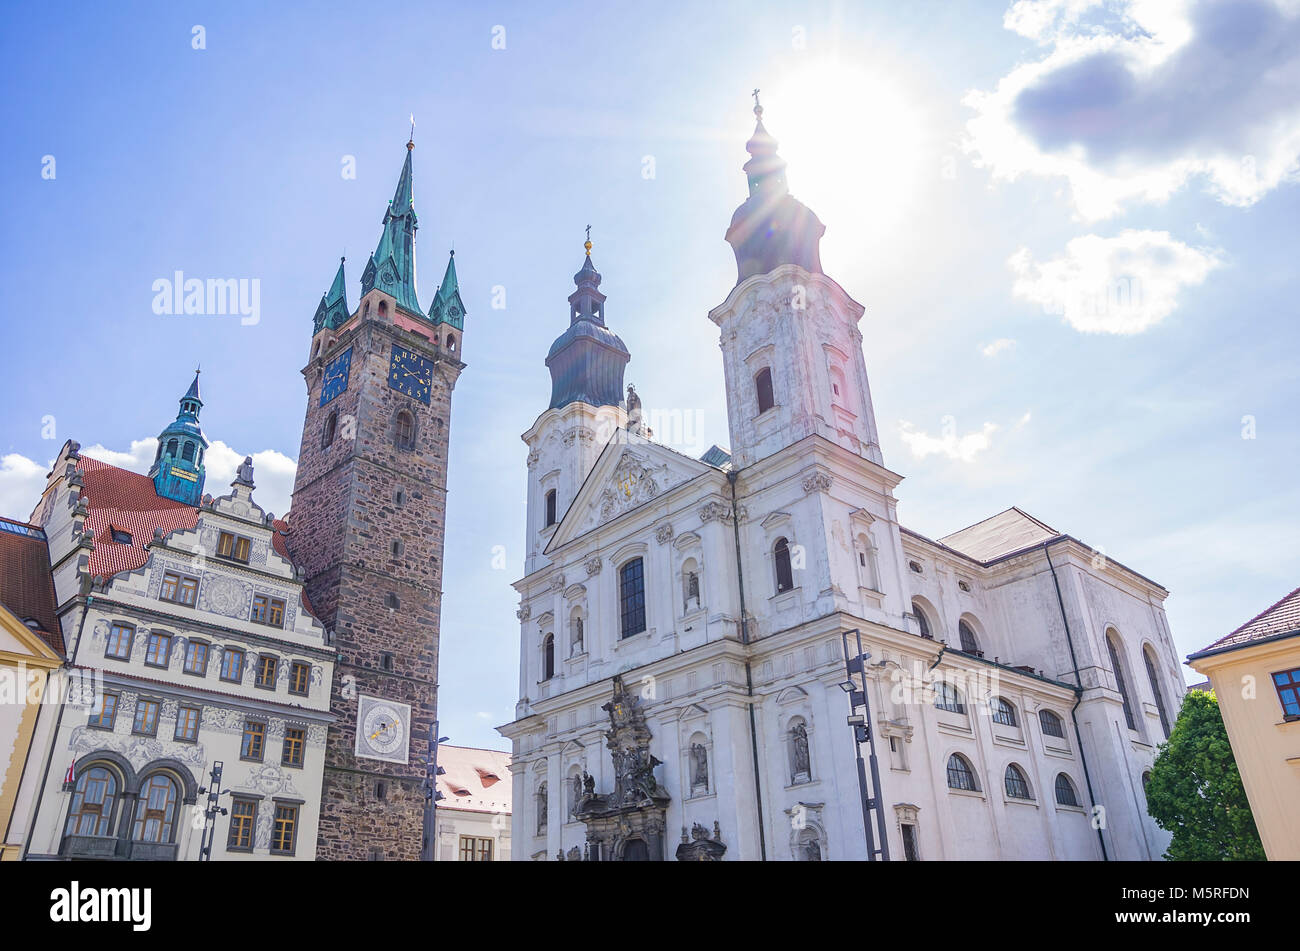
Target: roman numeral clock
(411, 374)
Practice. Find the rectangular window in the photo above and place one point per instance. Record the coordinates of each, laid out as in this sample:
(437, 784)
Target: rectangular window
(233, 546)
(254, 740)
(159, 650)
(910, 851)
(631, 588)
(475, 849)
(299, 678)
(243, 819)
(104, 713)
(294, 740)
(196, 658)
(232, 665)
(119, 641)
(268, 610)
(1287, 684)
(180, 589)
(146, 717)
(284, 832)
(187, 723)
(266, 668)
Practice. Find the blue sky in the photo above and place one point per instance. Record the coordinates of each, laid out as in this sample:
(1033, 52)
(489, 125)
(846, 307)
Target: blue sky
(1071, 224)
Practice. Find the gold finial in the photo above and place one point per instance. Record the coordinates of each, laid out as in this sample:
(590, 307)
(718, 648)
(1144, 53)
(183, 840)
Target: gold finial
(587, 244)
(758, 109)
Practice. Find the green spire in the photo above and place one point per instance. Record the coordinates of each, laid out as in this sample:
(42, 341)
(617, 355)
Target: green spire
(333, 309)
(392, 267)
(447, 306)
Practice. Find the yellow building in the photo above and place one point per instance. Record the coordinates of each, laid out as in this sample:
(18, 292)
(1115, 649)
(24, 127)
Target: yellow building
(1255, 672)
(31, 648)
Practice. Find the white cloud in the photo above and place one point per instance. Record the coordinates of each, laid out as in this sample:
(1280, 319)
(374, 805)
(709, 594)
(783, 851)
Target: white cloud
(1134, 98)
(1119, 285)
(21, 484)
(997, 346)
(948, 443)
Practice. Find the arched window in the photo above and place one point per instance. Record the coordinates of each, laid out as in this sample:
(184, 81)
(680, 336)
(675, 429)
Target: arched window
(550, 508)
(1003, 712)
(784, 573)
(763, 387)
(383, 308)
(451, 342)
(947, 697)
(187, 454)
(1051, 723)
(1146, 780)
(690, 585)
(404, 430)
(968, 642)
(172, 446)
(631, 598)
(1120, 681)
(1017, 785)
(1065, 792)
(93, 800)
(543, 806)
(548, 656)
(960, 775)
(922, 621)
(331, 426)
(155, 813)
(1150, 661)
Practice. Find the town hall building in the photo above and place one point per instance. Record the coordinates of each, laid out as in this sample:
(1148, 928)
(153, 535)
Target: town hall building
(683, 687)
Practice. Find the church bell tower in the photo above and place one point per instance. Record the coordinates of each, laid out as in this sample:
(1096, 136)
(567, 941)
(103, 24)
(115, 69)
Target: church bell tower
(366, 528)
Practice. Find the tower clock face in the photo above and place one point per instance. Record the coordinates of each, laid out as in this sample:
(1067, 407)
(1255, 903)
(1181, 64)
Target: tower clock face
(410, 373)
(383, 729)
(336, 376)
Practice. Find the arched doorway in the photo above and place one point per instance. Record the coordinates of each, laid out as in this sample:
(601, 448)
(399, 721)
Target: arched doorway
(636, 851)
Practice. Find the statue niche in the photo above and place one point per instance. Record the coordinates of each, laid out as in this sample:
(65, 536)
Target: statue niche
(627, 824)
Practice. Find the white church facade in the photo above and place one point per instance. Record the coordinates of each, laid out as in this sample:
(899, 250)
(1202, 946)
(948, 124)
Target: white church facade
(682, 620)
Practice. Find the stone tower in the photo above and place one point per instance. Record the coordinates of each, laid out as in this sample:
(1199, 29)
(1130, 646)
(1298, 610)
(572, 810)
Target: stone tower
(367, 531)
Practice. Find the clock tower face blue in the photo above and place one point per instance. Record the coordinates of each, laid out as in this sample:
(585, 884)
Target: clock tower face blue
(410, 373)
(336, 376)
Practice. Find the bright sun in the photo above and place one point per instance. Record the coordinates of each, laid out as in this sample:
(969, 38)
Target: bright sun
(854, 143)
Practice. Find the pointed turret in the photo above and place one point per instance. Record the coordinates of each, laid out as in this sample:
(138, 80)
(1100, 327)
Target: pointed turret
(447, 307)
(771, 228)
(588, 359)
(177, 470)
(333, 309)
(392, 267)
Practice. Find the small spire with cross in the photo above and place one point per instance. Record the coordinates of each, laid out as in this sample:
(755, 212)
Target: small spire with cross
(758, 109)
(410, 143)
(587, 244)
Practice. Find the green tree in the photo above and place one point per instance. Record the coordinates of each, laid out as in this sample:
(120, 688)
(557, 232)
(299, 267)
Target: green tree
(1195, 790)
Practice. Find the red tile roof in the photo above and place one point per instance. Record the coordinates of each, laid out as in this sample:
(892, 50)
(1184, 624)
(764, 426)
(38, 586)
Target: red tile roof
(475, 780)
(126, 501)
(281, 530)
(26, 584)
(1282, 618)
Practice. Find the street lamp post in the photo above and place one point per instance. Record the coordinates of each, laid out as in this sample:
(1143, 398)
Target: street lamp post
(855, 667)
(431, 794)
(214, 808)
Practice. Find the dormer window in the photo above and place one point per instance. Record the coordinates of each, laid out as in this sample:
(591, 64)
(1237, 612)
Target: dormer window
(120, 537)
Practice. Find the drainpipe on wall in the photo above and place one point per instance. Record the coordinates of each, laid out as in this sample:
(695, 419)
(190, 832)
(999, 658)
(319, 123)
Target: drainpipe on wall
(54, 739)
(1078, 698)
(749, 674)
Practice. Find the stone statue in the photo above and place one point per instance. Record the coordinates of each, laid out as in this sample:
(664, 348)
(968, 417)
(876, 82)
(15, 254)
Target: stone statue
(588, 784)
(799, 740)
(244, 474)
(575, 647)
(577, 793)
(700, 758)
(633, 410)
(543, 806)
